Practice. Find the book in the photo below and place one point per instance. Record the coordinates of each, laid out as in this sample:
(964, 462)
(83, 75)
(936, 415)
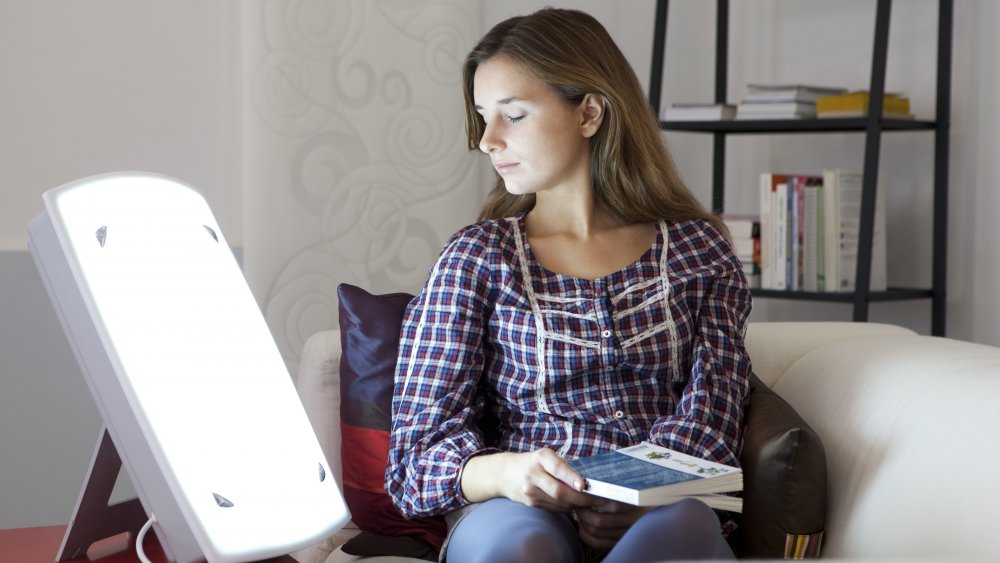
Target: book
(842, 191)
(744, 231)
(789, 92)
(857, 103)
(814, 267)
(775, 110)
(772, 232)
(698, 112)
(742, 226)
(791, 230)
(862, 113)
(804, 108)
(651, 475)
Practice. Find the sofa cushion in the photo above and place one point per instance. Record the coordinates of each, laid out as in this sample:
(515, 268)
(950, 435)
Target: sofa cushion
(369, 329)
(784, 473)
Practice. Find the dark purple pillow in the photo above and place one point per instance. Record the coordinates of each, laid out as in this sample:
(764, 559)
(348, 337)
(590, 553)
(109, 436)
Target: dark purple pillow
(369, 336)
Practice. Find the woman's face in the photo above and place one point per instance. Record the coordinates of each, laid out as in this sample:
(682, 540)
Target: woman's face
(535, 140)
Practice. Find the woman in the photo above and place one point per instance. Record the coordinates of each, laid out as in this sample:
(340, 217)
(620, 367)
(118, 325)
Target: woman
(595, 305)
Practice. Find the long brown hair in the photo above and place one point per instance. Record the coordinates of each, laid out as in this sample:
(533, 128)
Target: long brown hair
(632, 171)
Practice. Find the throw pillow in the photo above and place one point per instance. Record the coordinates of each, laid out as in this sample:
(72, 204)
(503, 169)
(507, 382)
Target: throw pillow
(784, 475)
(369, 329)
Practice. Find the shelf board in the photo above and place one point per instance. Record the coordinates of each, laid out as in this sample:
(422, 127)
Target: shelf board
(891, 294)
(843, 124)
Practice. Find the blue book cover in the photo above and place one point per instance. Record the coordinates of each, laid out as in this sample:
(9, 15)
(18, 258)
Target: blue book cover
(650, 475)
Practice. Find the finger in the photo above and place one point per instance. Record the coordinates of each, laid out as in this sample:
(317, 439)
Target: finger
(567, 483)
(560, 469)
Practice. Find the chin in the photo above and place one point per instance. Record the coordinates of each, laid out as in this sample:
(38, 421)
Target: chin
(517, 189)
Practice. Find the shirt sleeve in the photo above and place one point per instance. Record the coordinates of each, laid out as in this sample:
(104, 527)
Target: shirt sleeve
(436, 400)
(708, 419)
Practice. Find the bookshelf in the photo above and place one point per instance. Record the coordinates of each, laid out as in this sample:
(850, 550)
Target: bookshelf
(871, 126)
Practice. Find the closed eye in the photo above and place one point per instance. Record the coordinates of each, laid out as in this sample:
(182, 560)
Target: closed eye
(515, 119)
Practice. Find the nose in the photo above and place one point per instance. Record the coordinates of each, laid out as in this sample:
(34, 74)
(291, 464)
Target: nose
(491, 140)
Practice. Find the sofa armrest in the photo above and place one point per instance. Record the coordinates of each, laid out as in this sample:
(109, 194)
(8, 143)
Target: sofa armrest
(774, 346)
(318, 384)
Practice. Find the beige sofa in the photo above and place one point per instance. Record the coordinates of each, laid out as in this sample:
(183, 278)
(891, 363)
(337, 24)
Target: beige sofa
(908, 423)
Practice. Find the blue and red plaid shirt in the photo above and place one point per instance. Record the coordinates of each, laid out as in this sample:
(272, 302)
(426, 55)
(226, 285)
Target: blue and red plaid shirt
(499, 354)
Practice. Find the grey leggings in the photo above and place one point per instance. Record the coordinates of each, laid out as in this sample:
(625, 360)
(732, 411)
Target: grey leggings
(503, 530)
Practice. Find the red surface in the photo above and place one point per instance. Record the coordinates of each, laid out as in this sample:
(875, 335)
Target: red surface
(38, 545)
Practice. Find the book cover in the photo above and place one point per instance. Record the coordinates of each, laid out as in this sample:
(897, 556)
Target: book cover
(862, 113)
(651, 475)
(858, 102)
(742, 226)
(698, 112)
(776, 108)
(842, 192)
(789, 92)
(771, 226)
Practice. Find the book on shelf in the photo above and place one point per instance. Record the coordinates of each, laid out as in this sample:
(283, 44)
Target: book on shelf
(773, 229)
(771, 108)
(855, 104)
(792, 226)
(789, 92)
(782, 101)
(842, 191)
(744, 231)
(684, 111)
(651, 475)
(861, 113)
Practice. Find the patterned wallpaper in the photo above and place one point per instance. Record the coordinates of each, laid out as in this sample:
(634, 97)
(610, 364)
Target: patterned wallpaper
(355, 167)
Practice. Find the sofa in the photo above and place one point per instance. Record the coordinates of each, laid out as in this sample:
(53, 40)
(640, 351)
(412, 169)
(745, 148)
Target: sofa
(906, 421)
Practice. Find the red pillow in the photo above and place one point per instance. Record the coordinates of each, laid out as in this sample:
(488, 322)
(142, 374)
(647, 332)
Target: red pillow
(369, 333)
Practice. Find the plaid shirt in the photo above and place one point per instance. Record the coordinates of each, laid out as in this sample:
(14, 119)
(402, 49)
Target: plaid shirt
(499, 354)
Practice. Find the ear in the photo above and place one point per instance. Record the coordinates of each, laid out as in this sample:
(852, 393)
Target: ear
(591, 114)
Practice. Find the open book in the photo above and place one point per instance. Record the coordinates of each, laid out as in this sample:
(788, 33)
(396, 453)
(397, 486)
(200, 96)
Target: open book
(650, 475)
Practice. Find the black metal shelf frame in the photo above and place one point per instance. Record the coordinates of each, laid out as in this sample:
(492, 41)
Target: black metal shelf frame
(871, 126)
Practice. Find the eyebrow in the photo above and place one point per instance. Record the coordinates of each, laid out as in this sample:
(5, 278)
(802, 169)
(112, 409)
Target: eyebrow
(501, 102)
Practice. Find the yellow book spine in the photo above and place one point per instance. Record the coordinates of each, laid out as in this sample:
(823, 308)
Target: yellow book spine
(855, 101)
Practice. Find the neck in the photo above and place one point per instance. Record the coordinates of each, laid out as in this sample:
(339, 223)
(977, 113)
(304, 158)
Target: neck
(579, 217)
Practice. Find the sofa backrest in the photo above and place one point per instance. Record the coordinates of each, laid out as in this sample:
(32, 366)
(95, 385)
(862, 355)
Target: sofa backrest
(774, 346)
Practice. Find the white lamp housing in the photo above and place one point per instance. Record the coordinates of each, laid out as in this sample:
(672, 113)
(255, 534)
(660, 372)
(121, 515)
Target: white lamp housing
(193, 391)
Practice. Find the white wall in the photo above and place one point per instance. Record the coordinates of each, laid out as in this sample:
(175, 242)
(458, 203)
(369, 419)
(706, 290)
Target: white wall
(356, 166)
(92, 87)
(327, 136)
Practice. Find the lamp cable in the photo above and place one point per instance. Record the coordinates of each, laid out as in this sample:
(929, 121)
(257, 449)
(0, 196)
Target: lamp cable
(142, 534)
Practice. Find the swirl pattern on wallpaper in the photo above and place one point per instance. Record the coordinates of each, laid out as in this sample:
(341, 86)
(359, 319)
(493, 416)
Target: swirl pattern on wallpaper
(356, 163)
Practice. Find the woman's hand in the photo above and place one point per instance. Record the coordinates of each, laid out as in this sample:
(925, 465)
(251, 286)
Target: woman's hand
(606, 521)
(540, 478)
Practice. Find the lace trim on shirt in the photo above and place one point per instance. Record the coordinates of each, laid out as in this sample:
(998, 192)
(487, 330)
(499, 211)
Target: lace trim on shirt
(543, 405)
(669, 323)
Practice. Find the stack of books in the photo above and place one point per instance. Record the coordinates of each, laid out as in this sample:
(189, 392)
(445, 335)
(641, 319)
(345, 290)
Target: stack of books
(744, 231)
(782, 101)
(695, 111)
(855, 104)
(809, 227)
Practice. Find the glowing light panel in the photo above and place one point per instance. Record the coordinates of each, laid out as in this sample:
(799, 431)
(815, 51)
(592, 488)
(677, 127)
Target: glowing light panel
(184, 370)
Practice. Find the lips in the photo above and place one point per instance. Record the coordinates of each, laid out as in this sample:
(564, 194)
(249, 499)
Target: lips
(504, 167)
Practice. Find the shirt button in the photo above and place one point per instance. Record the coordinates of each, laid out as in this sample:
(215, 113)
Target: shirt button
(619, 414)
(606, 334)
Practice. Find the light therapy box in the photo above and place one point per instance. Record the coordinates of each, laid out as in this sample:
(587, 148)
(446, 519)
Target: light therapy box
(197, 403)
